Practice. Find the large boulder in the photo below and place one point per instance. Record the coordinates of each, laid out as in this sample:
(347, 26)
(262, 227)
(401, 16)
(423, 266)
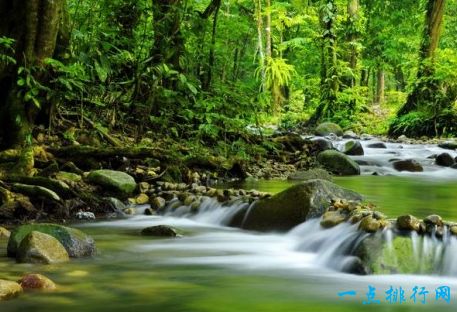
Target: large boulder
(310, 175)
(294, 205)
(338, 163)
(354, 148)
(115, 181)
(445, 160)
(9, 290)
(77, 243)
(38, 247)
(398, 256)
(327, 128)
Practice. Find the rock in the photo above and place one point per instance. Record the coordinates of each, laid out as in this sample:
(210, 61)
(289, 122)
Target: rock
(149, 212)
(338, 163)
(353, 148)
(322, 144)
(85, 215)
(9, 290)
(130, 211)
(143, 187)
(453, 229)
(450, 145)
(293, 206)
(369, 224)
(4, 233)
(142, 199)
(36, 191)
(444, 160)
(402, 139)
(36, 282)
(38, 247)
(332, 218)
(77, 243)
(433, 220)
(349, 134)
(116, 181)
(159, 230)
(408, 223)
(407, 165)
(158, 203)
(310, 175)
(377, 145)
(68, 177)
(116, 204)
(327, 128)
(398, 257)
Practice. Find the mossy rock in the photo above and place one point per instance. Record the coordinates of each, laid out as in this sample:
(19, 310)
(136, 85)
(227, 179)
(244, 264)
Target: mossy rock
(115, 181)
(77, 243)
(354, 148)
(338, 163)
(293, 206)
(398, 257)
(9, 289)
(328, 127)
(39, 247)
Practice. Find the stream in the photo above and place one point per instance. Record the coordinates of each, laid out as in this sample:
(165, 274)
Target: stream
(217, 268)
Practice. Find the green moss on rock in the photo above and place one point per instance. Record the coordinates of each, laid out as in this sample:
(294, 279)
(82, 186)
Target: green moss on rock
(77, 243)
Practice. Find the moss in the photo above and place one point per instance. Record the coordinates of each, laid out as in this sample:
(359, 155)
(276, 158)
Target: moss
(75, 242)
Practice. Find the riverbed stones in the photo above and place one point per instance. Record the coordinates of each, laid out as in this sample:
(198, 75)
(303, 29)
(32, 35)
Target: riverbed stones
(38, 247)
(36, 282)
(338, 163)
(159, 231)
(115, 181)
(310, 175)
(410, 165)
(408, 223)
(9, 290)
(301, 202)
(328, 128)
(444, 160)
(142, 199)
(353, 148)
(77, 243)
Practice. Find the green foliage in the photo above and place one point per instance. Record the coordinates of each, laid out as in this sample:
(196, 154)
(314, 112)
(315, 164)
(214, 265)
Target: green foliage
(6, 51)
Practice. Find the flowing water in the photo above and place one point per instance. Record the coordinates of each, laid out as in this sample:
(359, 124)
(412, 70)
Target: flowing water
(216, 268)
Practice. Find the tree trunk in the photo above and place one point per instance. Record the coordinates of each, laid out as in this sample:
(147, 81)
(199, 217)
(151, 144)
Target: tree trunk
(168, 40)
(36, 26)
(329, 71)
(426, 85)
(380, 86)
(209, 72)
(353, 16)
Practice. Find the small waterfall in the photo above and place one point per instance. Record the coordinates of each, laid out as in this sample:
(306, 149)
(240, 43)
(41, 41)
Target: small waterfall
(210, 211)
(337, 248)
(333, 246)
